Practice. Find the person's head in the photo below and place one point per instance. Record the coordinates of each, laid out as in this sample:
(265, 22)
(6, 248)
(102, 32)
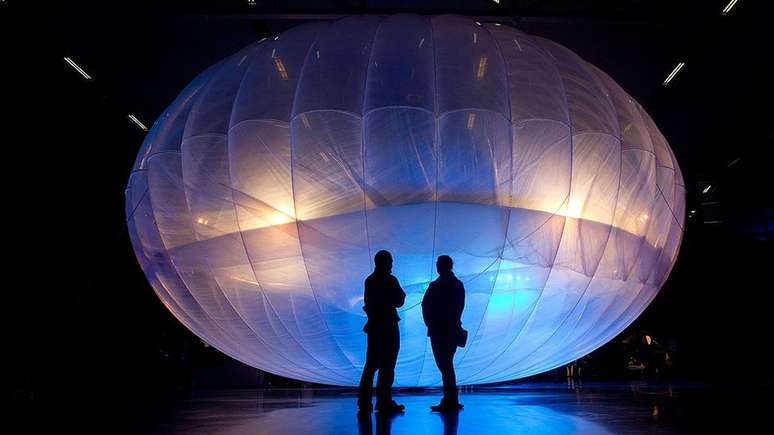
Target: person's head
(444, 264)
(383, 261)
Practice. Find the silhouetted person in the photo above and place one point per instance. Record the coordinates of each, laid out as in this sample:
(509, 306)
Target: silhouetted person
(442, 310)
(383, 295)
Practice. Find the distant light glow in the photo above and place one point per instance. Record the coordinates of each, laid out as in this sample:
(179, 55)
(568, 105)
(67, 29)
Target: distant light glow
(707, 189)
(280, 218)
(674, 72)
(137, 122)
(729, 6)
(77, 68)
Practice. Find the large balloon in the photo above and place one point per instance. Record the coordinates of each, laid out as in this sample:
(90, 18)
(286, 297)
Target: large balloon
(260, 196)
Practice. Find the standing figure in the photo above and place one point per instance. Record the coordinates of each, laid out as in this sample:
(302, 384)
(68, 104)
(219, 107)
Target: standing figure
(442, 311)
(383, 295)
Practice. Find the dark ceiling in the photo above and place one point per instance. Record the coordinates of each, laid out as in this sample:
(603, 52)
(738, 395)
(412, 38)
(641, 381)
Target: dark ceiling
(142, 53)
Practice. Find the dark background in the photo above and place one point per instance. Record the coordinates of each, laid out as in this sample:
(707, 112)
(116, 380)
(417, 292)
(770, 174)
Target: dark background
(85, 333)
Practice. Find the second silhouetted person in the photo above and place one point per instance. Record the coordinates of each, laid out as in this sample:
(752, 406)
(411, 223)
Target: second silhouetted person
(442, 311)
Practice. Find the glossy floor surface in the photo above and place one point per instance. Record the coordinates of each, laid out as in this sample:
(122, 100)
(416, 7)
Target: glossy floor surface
(524, 409)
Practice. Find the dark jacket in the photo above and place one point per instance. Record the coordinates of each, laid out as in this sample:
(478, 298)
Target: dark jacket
(442, 306)
(383, 295)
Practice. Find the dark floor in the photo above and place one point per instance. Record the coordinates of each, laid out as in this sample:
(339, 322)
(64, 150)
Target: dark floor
(523, 409)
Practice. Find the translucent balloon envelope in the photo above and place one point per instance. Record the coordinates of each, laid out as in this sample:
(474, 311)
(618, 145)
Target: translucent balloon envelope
(260, 196)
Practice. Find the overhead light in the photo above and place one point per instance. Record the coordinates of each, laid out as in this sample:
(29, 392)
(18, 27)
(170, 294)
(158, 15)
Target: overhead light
(471, 121)
(729, 6)
(283, 72)
(481, 68)
(673, 74)
(137, 122)
(496, 1)
(707, 189)
(76, 67)
(735, 161)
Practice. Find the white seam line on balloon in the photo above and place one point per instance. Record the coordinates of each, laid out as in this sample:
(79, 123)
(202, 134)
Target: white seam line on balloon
(226, 335)
(558, 246)
(580, 297)
(226, 338)
(179, 313)
(247, 324)
(363, 148)
(286, 124)
(591, 279)
(292, 178)
(267, 299)
(181, 106)
(499, 257)
(644, 284)
(212, 276)
(215, 280)
(582, 335)
(583, 66)
(643, 246)
(533, 232)
(436, 152)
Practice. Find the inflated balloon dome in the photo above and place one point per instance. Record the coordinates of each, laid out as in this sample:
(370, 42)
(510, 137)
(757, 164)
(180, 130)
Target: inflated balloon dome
(260, 196)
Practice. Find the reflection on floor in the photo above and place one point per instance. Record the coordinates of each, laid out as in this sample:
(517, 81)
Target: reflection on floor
(523, 409)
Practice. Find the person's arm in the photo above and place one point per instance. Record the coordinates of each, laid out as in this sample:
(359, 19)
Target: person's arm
(367, 302)
(399, 296)
(459, 303)
(426, 307)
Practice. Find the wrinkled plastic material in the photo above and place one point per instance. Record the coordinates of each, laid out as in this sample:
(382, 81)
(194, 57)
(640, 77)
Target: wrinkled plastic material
(261, 194)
